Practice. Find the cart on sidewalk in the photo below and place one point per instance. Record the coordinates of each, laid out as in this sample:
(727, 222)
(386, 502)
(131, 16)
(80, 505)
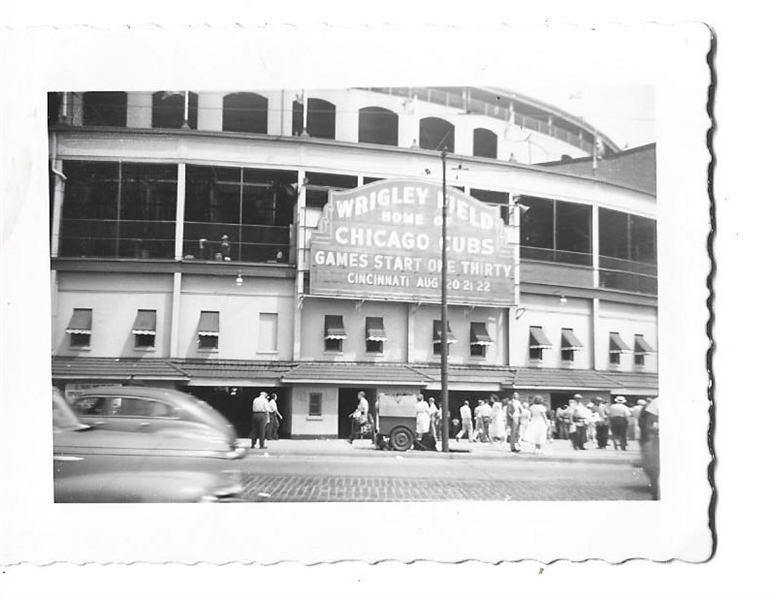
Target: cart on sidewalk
(395, 421)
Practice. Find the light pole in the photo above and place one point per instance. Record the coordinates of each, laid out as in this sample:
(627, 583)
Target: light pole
(444, 326)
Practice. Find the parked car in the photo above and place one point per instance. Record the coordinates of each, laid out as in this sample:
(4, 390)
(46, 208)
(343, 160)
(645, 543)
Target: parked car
(104, 466)
(154, 410)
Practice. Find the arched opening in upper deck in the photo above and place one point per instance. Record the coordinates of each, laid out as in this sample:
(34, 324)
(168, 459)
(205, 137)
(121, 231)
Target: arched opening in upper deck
(168, 110)
(437, 134)
(377, 125)
(484, 143)
(245, 112)
(105, 109)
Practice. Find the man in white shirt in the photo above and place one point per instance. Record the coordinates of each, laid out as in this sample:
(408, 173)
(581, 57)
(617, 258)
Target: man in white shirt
(466, 418)
(260, 410)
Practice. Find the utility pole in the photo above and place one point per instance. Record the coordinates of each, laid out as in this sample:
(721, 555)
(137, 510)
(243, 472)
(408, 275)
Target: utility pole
(444, 325)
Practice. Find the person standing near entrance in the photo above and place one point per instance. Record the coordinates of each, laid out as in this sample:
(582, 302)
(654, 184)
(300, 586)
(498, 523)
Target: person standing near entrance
(275, 418)
(580, 416)
(359, 417)
(260, 410)
(602, 422)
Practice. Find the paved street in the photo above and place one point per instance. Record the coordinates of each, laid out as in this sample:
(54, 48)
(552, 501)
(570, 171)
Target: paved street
(311, 471)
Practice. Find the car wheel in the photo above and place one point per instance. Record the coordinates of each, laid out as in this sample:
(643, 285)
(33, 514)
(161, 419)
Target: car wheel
(401, 438)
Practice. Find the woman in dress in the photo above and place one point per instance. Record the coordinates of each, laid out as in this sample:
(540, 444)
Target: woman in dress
(423, 417)
(537, 429)
(497, 424)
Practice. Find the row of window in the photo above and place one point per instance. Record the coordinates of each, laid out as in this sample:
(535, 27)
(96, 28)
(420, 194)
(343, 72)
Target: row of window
(144, 330)
(247, 112)
(375, 336)
(538, 341)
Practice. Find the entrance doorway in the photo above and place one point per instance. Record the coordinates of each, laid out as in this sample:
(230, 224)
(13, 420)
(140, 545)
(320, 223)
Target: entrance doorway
(347, 402)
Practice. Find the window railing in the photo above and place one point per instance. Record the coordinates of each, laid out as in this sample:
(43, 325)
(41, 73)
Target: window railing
(87, 238)
(117, 238)
(554, 255)
(243, 243)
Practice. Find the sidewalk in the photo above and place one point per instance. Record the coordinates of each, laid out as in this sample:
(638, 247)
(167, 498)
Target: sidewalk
(558, 450)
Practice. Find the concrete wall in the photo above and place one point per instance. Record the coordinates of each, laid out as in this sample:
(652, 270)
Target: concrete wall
(113, 312)
(628, 321)
(239, 309)
(302, 424)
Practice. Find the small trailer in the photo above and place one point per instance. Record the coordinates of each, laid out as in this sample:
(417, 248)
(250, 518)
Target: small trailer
(395, 421)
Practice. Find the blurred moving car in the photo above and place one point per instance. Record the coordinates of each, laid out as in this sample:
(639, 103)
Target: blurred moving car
(154, 410)
(105, 466)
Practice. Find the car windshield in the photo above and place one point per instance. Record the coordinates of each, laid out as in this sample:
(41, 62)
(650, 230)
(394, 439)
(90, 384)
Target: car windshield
(63, 416)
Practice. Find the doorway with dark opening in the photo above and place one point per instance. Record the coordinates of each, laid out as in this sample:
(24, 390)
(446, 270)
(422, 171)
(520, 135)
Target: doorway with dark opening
(347, 402)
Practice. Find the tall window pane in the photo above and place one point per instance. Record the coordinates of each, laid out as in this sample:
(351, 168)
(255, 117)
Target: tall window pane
(537, 223)
(168, 110)
(613, 233)
(321, 118)
(573, 230)
(643, 240)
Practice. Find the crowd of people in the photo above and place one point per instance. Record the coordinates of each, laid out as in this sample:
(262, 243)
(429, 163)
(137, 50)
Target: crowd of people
(531, 425)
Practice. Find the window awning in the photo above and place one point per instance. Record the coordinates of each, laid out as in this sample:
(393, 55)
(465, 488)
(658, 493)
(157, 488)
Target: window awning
(569, 341)
(450, 337)
(537, 339)
(144, 323)
(641, 346)
(333, 328)
(479, 334)
(208, 325)
(375, 329)
(617, 345)
(80, 323)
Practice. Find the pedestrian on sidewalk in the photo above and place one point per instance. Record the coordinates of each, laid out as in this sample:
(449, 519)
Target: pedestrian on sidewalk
(274, 418)
(497, 420)
(649, 427)
(620, 416)
(466, 418)
(633, 425)
(513, 416)
(563, 418)
(602, 423)
(359, 416)
(422, 425)
(537, 429)
(580, 416)
(259, 417)
(434, 412)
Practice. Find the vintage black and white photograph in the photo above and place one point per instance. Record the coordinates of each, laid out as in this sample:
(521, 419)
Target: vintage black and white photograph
(248, 295)
(360, 307)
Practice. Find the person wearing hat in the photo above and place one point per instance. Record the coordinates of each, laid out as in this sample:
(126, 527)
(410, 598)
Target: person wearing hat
(260, 410)
(633, 425)
(620, 416)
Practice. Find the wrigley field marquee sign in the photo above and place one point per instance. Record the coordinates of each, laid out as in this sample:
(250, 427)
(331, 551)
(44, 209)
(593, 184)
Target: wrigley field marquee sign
(383, 241)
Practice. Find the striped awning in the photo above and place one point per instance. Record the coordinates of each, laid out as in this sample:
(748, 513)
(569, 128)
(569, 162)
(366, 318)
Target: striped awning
(479, 334)
(617, 345)
(537, 339)
(208, 325)
(80, 323)
(375, 329)
(450, 337)
(144, 323)
(334, 328)
(641, 346)
(569, 341)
